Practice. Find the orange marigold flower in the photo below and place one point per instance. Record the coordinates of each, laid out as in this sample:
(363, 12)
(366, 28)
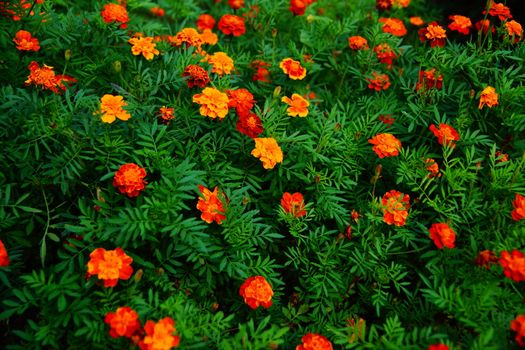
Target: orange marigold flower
(486, 258)
(400, 3)
(417, 21)
(384, 5)
(110, 265)
(26, 42)
(499, 10)
(250, 125)
(129, 179)
(46, 78)
(298, 7)
(115, 13)
(197, 76)
(515, 30)
(111, 107)
(232, 25)
(4, 257)
(240, 99)
(442, 235)
(519, 208)
(313, 341)
(157, 11)
(123, 323)
(256, 292)
(438, 347)
(261, 74)
(518, 326)
(159, 336)
(429, 79)
(221, 62)
(432, 167)
(205, 21)
(387, 119)
(395, 207)
(460, 23)
(211, 205)
(298, 105)
(236, 4)
(268, 151)
(385, 54)
(434, 33)
(293, 68)
(488, 97)
(166, 114)
(188, 36)
(501, 157)
(357, 43)
(484, 25)
(293, 204)
(213, 103)
(209, 37)
(394, 26)
(385, 145)
(513, 265)
(446, 134)
(144, 46)
(378, 82)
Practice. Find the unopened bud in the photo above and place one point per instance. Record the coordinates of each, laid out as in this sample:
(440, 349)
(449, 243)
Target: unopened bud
(276, 91)
(138, 275)
(67, 54)
(117, 66)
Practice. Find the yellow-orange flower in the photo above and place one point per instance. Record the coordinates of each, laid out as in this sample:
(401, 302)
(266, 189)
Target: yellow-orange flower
(26, 42)
(357, 43)
(298, 105)
(417, 21)
(129, 179)
(293, 68)
(488, 97)
(394, 26)
(433, 33)
(144, 46)
(256, 292)
(460, 23)
(385, 145)
(515, 30)
(4, 257)
(211, 205)
(209, 37)
(221, 62)
(123, 323)
(395, 207)
(45, 77)
(110, 265)
(268, 151)
(159, 336)
(115, 13)
(111, 107)
(188, 36)
(213, 103)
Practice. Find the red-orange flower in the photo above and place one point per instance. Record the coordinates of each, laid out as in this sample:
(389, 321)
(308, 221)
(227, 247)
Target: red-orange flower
(488, 97)
(262, 73)
(129, 179)
(159, 336)
(442, 235)
(45, 77)
(515, 30)
(460, 23)
(26, 42)
(256, 292)
(513, 265)
(293, 68)
(236, 4)
(205, 21)
(357, 43)
(400, 3)
(438, 347)
(429, 79)
(395, 207)
(123, 323)
(250, 125)
(518, 326)
(298, 7)
(166, 113)
(211, 205)
(519, 208)
(385, 145)
(484, 24)
(157, 11)
(433, 33)
(188, 36)
(221, 62)
(417, 21)
(432, 167)
(110, 265)
(394, 26)
(232, 25)
(499, 10)
(240, 99)
(268, 151)
(293, 204)
(387, 119)
(214, 104)
(446, 134)
(486, 258)
(111, 108)
(4, 257)
(384, 5)
(313, 341)
(115, 13)
(385, 54)
(378, 82)
(197, 76)
(298, 105)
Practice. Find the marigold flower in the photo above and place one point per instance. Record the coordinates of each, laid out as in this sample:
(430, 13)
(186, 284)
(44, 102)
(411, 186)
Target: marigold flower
(442, 235)
(460, 23)
(488, 97)
(262, 73)
(432, 167)
(515, 30)
(501, 157)
(159, 336)
(221, 62)
(129, 179)
(385, 54)
(519, 208)
(387, 119)
(400, 3)
(499, 10)
(484, 25)
(197, 76)
(384, 5)
(123, 323)
(26, 42)
(157, 11)
(236, 4)
(395, 207)
(446, 134)
(115, 13)
(188, 36)
(213, 103)
(385, 145)
(166, 114)
(110, 265)
(111, 107)
(256, 292)
(485, 259)
(417, 21)
(45, 77)
(293, 68)
(293, 204)
(513, 265)
(250, 125)
(313, 341)
(434, 33)
(232, 25)
(379, 82)
(298, 105)
(240, 99)
(4, 257)
(394, 26)
(209, 37)
(268, 151)
(205, 21)
(357, 43)
(298, 7)
(144, 46)
(518, 326)
(429, 79)
(438, 347)
(211, 205)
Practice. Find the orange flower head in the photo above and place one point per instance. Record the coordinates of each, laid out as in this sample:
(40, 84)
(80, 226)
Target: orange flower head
(221, 62)
(250, 125)
(357, 43)
(387, 119)
(417, 21)
(400, 3)
(442, 235)
(111, 108)
(26, 42)
(429, 79)
(499, 10)
(240, 99)
(518, 326)
(501, 157)
(188, 36)
(298, 105)
(385, 145)
(209, 37)
(236, 4)
(434, 33)
(4, 257)
(256, 292)
(110, 265)
(160, 335)
(384, 5)
(385, 54)
(144, 46)
(513, 265)
(486, 258)
(268, 151)
(123, 323)
(197, 76)
(394, 26)
(461, 24)
(205, 21)
(432, 167)
(446, 134)
(166, 114)
(298, 7)
(157, 11)
(211, 205)
(485, 25)
(232, 25)
(488, 97)
(378, 82)
(293, 68)
(45, 77)
(515, 30)
(115, 13)
(519, 208)
(214, 104)
(313, 341)
(129, 179)
(293, 204)
(438, 347)
(395, 207)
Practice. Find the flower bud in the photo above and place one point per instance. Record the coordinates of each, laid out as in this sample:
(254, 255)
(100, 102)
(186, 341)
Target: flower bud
(117, 66)
(276, 91)
(67, 54)
(138, 275)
